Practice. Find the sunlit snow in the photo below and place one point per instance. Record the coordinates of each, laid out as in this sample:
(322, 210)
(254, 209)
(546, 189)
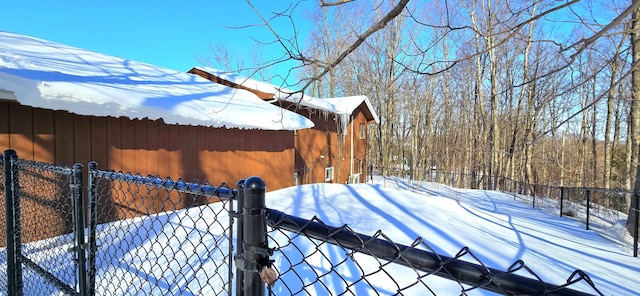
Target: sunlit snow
(45, 74)
(338, 106)
(167, 257)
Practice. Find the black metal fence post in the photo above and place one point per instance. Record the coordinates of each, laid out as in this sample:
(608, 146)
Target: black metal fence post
(239, 258)
(636, 208)
(561, 199)
(81, 246)
(93, 221)
(588, 206)
(256, 252)
(14, 270)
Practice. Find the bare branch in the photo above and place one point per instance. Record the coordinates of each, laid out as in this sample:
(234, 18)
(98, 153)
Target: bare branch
(376, 27)
(512, 32)
(588, 41)
(336, 3)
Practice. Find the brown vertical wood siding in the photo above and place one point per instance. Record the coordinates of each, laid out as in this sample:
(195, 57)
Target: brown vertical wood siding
(147, 147)
(323, 140)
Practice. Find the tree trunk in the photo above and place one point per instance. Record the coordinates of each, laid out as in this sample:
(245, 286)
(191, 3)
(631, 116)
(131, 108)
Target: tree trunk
(634, 126)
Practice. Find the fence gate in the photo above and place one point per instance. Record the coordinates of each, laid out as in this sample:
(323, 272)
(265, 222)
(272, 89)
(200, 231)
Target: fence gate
(44, 253)
(111, 233)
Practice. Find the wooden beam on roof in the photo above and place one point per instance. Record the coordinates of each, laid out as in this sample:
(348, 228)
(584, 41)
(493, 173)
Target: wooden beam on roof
(7, 95)
(216, 79)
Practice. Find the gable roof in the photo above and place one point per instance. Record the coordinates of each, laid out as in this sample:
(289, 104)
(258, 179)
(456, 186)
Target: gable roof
(45, 74)
(340, 106)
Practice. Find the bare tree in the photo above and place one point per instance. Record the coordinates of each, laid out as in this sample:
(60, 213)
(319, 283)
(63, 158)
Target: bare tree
(490, 87)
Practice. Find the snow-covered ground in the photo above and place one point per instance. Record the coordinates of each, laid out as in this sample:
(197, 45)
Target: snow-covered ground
(497, 228)
(167, 253)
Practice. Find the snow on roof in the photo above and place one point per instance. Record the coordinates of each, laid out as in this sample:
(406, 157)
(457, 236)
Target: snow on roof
(51, 75)
(339, 105)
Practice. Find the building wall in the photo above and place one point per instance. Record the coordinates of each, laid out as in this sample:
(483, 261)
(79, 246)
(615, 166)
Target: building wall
(321, 147)
(147, 147)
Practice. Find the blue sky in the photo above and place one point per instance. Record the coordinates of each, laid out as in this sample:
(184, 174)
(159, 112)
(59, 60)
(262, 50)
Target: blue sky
(165, 33)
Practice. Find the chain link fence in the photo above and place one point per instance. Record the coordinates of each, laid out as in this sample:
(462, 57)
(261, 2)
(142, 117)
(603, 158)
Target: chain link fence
(86, 231)
(74, 231)
(3, 234)
(591, 206)
(42, 222)
(160, 236)
(313, 258)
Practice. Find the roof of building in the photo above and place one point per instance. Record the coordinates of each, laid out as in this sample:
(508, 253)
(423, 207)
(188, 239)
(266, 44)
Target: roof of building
(50, 75)
(338, 105)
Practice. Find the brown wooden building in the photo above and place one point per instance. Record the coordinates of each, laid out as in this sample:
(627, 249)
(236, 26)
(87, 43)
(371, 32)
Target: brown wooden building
(148, 147)
(63, 105)
(335, 149)
(66, 105)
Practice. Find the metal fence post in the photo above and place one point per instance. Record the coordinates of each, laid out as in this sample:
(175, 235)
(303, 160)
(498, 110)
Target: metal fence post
(256, 252)
(533, 205)
(561, 199)
(636, 208)
(239, 240)
(14, 270)
(93, 221)
(588, 206)
(78, 203)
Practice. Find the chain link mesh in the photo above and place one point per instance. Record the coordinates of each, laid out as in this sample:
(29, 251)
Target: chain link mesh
(164, 237)
(46, 221)
(3, 234)
(313, 258)
(160, 237)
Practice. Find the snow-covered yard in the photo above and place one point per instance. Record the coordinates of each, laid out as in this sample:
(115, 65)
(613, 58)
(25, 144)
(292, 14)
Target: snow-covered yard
(169, 253)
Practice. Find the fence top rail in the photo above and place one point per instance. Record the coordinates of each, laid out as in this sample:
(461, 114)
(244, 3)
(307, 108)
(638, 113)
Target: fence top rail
(453, 268)
(205, 188)
(44, 166)
(617, 191)
(593, 189)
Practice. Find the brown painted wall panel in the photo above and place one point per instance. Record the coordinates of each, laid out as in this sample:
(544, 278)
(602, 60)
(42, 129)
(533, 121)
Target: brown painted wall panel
(175, 161)
(152, 147)
(43, 140)
(200, 162)
(82, 139)
(140, 147)
(114, 144)
(163, 150)
(210, 162)
(21, 130)
(183, 152)
(63, 139)
(4, 144)
(128, 163)
(4, 125)
(99, 146)
(195, 172)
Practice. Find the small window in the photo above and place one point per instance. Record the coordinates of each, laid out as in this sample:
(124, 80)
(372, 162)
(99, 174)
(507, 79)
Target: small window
(363, 131)
(354, 179)
(328, 174)
(360, 166)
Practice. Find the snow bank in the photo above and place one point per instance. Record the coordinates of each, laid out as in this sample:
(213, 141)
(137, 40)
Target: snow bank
(55, 76)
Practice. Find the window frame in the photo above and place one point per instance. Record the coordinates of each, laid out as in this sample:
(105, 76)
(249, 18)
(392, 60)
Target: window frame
(328, 174)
